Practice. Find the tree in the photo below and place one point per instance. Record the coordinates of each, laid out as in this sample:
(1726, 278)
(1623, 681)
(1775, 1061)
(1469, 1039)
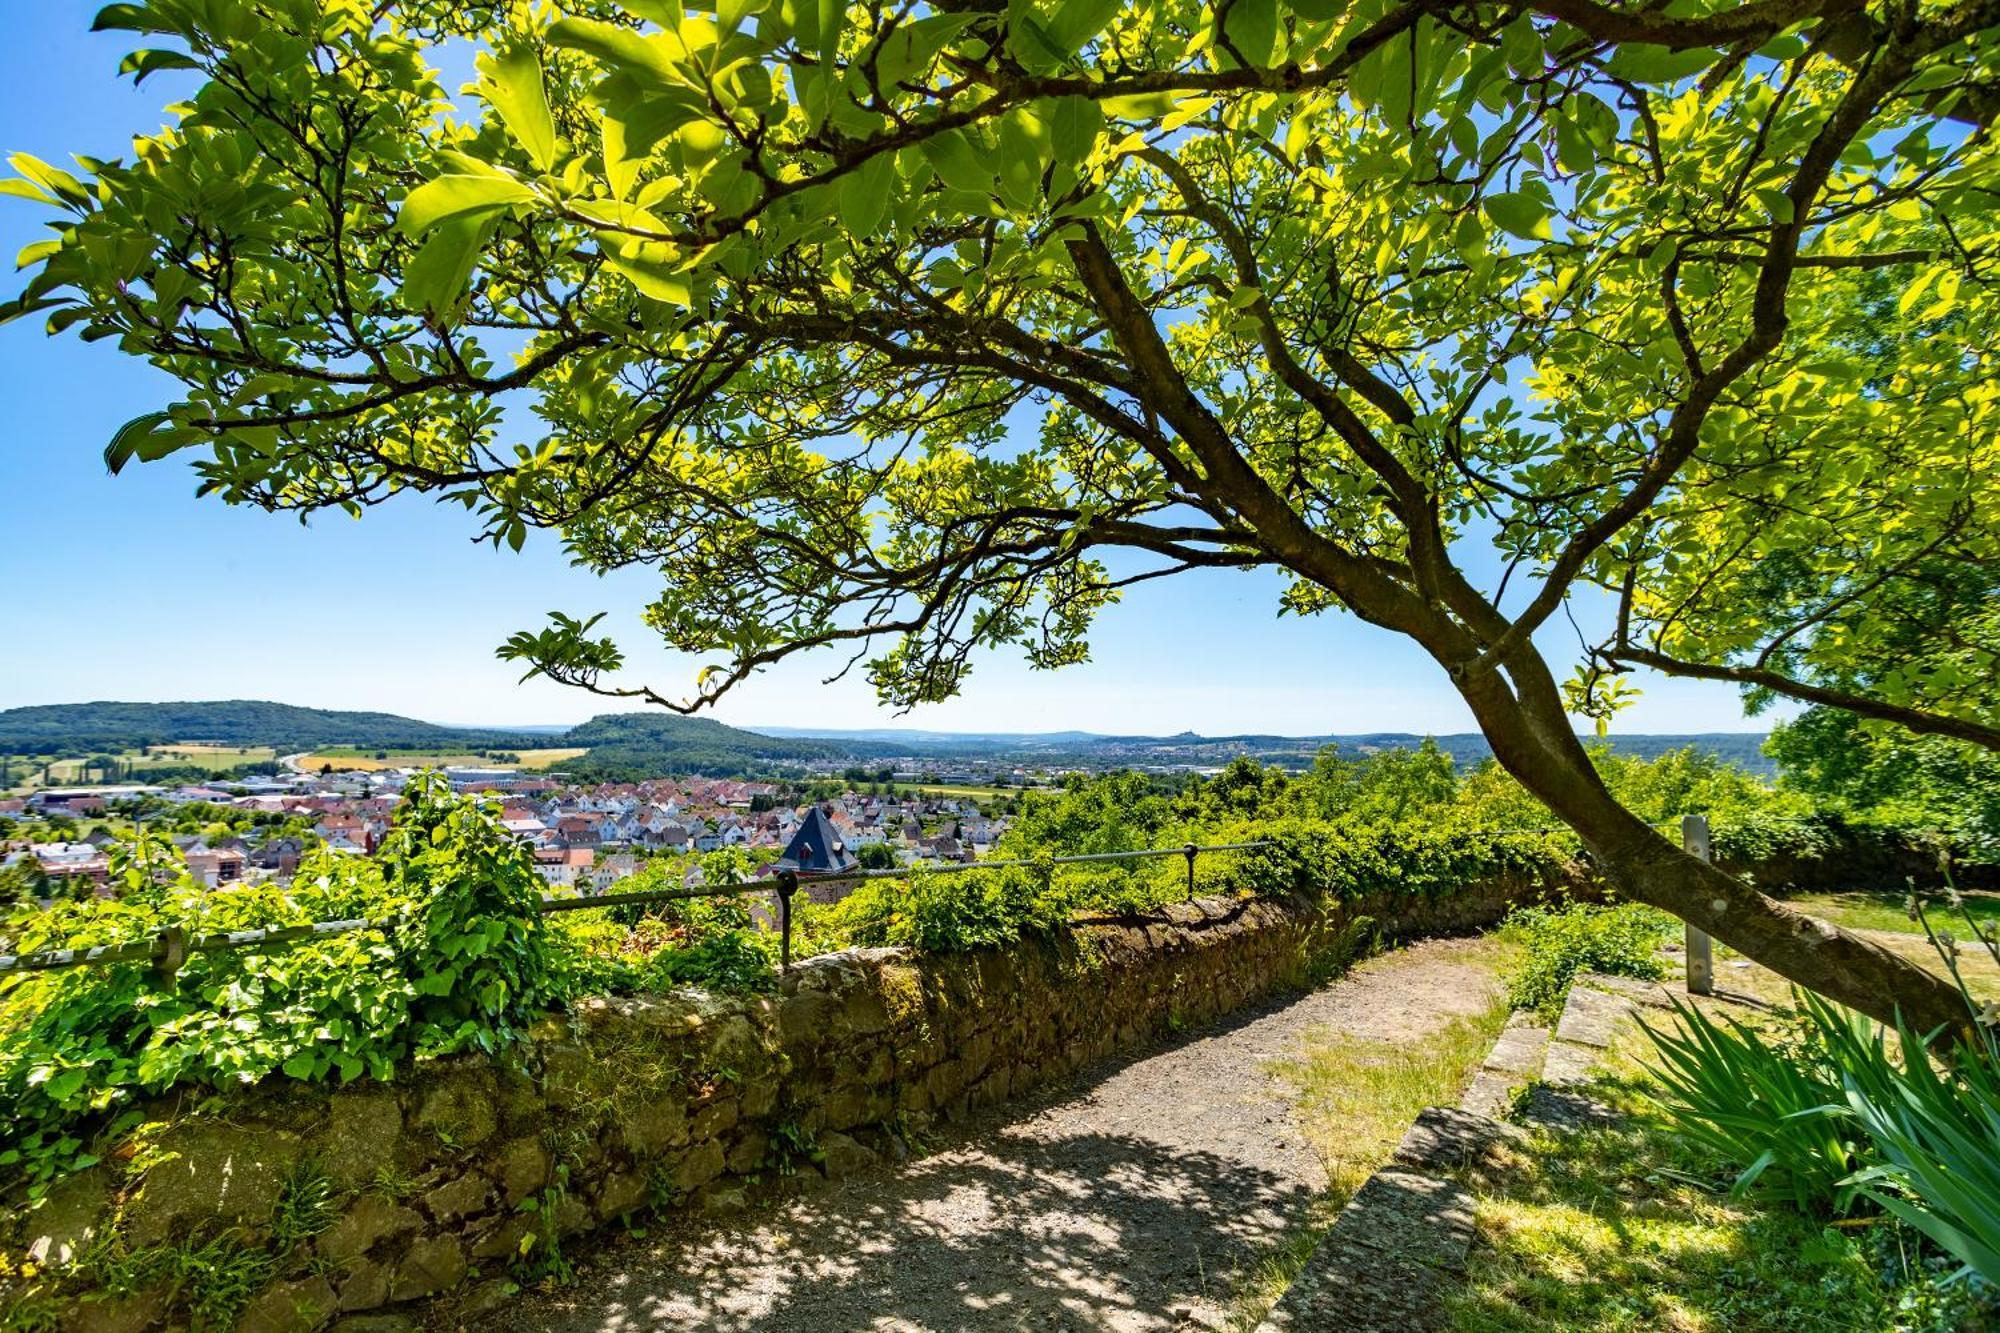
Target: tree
(908, 332)
(875, 856)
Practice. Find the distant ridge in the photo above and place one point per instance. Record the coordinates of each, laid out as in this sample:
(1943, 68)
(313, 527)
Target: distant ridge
(622, 745)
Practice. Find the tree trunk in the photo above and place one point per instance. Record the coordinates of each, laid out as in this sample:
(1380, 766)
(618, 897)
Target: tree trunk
(1543, 753)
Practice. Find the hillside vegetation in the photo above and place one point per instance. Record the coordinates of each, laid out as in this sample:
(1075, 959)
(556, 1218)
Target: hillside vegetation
(107, 725)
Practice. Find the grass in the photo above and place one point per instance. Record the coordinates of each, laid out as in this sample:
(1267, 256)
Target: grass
(1356, 1098)
(1619, 1229)
(1871, 910)
(1627, 1227)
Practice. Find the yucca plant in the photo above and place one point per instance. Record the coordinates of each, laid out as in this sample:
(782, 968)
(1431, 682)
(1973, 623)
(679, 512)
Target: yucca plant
(1934, 1127)
(1779, 1115)
(1936, 1137)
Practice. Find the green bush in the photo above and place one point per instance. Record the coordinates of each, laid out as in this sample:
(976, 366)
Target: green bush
(458, 959)
(1558, 942)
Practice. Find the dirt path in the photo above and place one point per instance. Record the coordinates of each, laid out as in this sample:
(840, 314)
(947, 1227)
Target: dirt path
(1131, 1202)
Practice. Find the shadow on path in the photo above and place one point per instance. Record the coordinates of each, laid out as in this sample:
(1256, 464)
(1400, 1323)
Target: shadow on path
(1133, 1200)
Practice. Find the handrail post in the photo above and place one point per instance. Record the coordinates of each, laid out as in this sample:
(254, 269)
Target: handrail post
(171, 952)
(1190, 851)
(1700, 949)
(788, 884)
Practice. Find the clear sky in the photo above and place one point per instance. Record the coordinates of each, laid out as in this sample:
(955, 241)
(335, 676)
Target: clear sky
(130, 588)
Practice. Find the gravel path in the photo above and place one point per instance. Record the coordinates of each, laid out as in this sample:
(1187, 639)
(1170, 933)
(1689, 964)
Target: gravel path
(1129, 1202)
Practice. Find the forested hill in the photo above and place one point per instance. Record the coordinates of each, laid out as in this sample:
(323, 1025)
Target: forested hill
(111, 726)
(626, 746)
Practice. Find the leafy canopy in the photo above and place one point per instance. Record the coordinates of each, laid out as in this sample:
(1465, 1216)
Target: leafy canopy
(915, 327)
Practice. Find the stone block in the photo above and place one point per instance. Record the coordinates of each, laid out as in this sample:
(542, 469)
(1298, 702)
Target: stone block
(430, 1265)
(359, 1138)
(290, 1307)
(365, 1286)
(1591, 1017)
(366, 1222)
(100, 1313)
(523, 1166)
(460, 1106)
(485, 1298)
(703, 1163)
(841, 1155)
(459, 1197)
(211, 1173)
(1568, 1063)
(504, 1241)
(620, 1193)
(656, 1124)
(747, 1153)
(73, 1213)
(715, 1119)
(1519, 1051)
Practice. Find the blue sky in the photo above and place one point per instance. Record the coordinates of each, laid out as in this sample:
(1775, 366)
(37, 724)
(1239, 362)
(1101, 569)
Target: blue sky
(130, 588)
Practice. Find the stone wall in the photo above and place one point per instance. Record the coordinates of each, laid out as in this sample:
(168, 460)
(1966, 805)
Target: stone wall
(300, 1208)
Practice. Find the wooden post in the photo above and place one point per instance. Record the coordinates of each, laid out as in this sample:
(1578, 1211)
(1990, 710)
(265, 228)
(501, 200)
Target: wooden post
(1700, 951)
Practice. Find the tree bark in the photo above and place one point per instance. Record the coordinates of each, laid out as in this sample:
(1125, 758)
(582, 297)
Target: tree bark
(1544, 755)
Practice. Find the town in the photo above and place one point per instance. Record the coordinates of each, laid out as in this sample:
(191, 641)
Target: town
(585, 837)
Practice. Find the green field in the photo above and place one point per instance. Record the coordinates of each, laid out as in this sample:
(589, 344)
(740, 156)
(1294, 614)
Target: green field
(346, 757)
(951, 789)
(24, 772)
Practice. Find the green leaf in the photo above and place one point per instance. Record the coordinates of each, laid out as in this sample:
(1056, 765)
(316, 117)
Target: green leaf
(656, 268)
(1778, 204)
(1522, 215)
(958, 164)
(1074, 124)
(1642, 62)
(125, 442)
(619, 48)
(864, 195)
(127, 18)
(436, 278)
(455, 195)
(1252, 29)
(1075, 22)
(1024, 148)
(139, 64)
(513, 86)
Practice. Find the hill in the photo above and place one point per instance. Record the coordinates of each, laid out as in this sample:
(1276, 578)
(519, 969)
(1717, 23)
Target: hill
(632, 746)
(112, 726)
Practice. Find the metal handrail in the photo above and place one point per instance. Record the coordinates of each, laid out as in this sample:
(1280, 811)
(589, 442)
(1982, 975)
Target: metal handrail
(170, 949)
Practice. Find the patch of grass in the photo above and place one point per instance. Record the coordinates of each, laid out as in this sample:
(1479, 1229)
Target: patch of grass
(1630, 1227)
(1597, 1229)
(1357, 1096)
(1870, 910)
(1356, 1099)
